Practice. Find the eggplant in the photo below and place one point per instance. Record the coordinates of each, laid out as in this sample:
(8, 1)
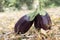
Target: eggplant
(24, 23)
(42, 21)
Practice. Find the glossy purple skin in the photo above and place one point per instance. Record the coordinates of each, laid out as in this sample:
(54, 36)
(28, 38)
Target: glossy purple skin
(23, 25)
(41, 22)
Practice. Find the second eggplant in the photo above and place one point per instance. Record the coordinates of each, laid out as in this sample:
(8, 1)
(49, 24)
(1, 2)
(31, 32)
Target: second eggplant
(42, 21)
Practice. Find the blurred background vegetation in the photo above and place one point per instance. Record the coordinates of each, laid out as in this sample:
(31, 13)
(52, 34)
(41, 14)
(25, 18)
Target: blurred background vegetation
(17, 4)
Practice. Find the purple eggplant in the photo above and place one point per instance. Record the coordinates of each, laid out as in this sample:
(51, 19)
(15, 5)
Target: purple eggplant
(23, 25)
(42, 21)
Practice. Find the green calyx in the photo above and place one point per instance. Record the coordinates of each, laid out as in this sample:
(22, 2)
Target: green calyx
(32, 15)
(42, 12)
(39, 10)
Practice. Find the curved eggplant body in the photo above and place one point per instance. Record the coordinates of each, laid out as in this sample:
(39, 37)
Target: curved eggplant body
(43, 22)
(23, 25)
